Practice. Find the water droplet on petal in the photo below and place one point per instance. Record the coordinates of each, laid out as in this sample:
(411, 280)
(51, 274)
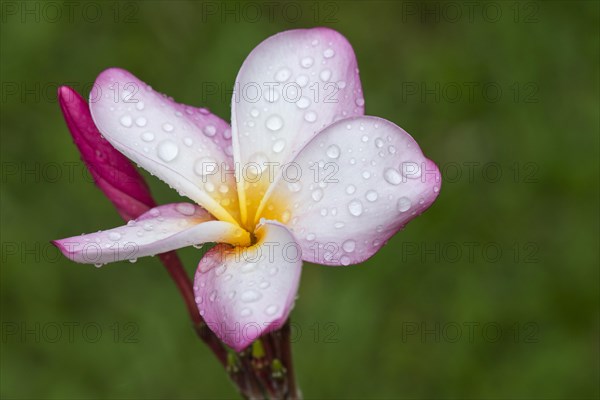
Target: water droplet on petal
(328, 53)
(317, 195)
(246, 312)
(250, 295)
(404, 204)
(371, 195)
(264, 285)
(302, 80)
(141, 121)
(325, 75)
(392, 176)
(168, 127)
(355, 207)
(307, 62)
(283, 74)
(126, 121)
(271, 310)
(279, 145)
(114, 236)
(274, 122)
(360, 102)
(167, 150)
(310, 116)
(349, 245)
(333, 151)
(248, 267)
(185, 208)
(209, 130)
(294, 186)
(147, 136)
(350, 189)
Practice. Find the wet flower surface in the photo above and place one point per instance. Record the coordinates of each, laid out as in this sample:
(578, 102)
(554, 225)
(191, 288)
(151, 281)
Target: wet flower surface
(301, 174)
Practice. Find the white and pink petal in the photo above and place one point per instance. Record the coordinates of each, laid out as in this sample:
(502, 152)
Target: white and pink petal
(243, 293)
(161, 229)
(290, 87)
(351, 188)
(186, 147)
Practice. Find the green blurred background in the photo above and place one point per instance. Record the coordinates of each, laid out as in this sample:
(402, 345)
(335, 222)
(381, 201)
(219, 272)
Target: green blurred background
(493, 293)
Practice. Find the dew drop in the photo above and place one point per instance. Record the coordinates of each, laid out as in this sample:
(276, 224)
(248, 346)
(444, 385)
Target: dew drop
(210, 130)
(307, 62)
(126, 121)
(271, 310)
(167, 150)
(246, 312)
(355, 207)
(141, 121)
(168, 127)
(310, 116)
(278, 145)
(248, 267)
(404, 204)
(350, 189)
(360, 102)
(302, 80)
(250, 296)
(114, 236)
(147, 136)
(317, 195)
(325, 75)
(371, 195)
(283, 74)
(294, 186)
(274, 122)
(392, 176)
(185, 208)
(349, 245)
(328, 53)
(333, 151)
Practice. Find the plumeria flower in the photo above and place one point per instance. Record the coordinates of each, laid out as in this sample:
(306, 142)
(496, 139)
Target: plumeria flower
(300, 175)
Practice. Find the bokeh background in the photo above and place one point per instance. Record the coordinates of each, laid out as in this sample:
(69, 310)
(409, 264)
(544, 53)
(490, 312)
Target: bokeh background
(493, 293)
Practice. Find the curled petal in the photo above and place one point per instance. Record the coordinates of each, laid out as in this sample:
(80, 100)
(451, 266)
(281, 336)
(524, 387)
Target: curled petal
(113, 173)
(181, 145)
(351, 188)
(243, 293)
(159, 230)
(289, 88)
